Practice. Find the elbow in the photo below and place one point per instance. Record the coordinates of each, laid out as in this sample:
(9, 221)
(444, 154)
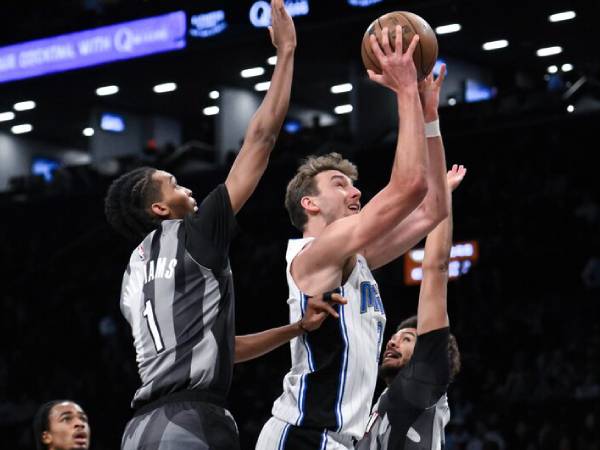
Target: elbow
(261, 135)
(416, 189)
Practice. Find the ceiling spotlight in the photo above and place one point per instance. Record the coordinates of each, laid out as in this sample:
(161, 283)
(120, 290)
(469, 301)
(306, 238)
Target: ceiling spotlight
(107, 90)
(340, 88)
(24, 106)
(451, 101)
(211, 111)
(88, 132)
(559, 17)
(253, 72)
(552, 69)
(495, 45)
(264, 86)
(566, 67)
(272, 60)
(21, 129)
(570, 108)
(214, 94)
(6, 116)
(445, 29)
(343, 109)
(164, 87)
(549, 51)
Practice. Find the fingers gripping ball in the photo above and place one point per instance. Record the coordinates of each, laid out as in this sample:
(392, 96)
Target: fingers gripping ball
(426, 51)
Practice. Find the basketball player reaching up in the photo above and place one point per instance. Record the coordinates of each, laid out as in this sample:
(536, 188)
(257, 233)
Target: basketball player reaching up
(177, 291)
(334, 369)
(419, 360)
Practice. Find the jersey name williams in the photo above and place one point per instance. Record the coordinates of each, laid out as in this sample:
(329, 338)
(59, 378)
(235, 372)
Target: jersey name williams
(159, 269)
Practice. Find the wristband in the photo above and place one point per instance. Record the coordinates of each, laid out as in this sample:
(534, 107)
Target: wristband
(432, 129)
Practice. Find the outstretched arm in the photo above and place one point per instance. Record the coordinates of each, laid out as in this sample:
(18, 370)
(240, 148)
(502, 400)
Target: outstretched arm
(252, 346)
(434, 207)
(251, 162)
(432, 310)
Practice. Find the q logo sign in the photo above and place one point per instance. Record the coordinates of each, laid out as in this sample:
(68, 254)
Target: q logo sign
(260, 11)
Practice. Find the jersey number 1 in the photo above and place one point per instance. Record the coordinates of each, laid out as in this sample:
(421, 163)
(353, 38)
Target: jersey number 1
(152, 325)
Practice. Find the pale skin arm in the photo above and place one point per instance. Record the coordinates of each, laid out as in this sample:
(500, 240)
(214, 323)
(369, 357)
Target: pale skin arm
(252, 346)
(319, 267)
(434, 207)
(261, 135)
(432, 312)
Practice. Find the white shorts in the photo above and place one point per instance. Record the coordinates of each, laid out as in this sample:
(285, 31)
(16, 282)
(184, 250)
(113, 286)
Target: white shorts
(279, 435)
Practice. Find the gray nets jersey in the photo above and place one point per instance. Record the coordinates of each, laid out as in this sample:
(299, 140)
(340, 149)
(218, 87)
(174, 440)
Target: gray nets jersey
(177, 295)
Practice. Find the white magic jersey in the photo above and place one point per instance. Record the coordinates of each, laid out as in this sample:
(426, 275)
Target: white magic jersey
(334, 369)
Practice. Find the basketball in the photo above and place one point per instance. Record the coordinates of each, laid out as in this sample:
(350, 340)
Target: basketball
(426, 51)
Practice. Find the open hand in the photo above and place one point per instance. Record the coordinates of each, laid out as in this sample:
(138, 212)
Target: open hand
(455, 176)
(318, 308)
(429, 92)
(282, 29)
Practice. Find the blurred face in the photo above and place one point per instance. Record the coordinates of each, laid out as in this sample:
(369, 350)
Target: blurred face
(176, 201)
(398, 352)
(337, 196)
(68, 428)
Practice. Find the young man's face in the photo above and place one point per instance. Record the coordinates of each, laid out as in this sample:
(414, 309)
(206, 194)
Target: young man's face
(68, 428)
(337, 196)
(176, 201)
(398, 352)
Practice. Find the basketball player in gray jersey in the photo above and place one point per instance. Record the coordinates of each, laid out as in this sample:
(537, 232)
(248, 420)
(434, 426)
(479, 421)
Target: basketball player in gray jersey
(177, 291)
(420, 360)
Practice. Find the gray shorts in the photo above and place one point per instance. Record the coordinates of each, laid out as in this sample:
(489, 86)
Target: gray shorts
(189, 425)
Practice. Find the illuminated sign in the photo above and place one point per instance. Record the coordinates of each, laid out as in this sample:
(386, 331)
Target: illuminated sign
(112, 122)
(462, 257)
(260, 11)
(363, 3)
(207, 24)
(92, 47)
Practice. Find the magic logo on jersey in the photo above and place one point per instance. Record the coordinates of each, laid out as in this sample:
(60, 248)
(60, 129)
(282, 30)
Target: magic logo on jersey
(370, 298)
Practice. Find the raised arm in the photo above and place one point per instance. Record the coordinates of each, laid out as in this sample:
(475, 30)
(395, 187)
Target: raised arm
(432, 310)
(434, 207)
(251, 346)
(252, 160)
(317, 268)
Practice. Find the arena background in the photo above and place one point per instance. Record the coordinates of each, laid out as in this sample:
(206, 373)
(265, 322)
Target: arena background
(525, 314)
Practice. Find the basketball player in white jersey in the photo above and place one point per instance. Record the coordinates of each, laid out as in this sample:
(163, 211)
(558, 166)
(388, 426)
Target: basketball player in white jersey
(334, 369)
(421, 359)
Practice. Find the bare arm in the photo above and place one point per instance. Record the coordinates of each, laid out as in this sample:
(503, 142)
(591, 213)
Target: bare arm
(261, 135)
(434, 207)
(319, 267)
(432, 310)
(252, 346)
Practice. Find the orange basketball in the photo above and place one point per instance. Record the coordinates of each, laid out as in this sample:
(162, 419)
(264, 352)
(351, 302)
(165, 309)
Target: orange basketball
(426, 52)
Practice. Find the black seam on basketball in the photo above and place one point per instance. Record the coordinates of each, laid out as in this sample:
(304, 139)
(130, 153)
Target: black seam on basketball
(418, 45)
(373, 63)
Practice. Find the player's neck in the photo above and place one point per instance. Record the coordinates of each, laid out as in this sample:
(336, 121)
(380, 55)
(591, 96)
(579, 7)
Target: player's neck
(314, 227)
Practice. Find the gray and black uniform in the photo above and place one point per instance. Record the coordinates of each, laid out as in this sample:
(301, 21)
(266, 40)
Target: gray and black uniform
(412, 413)
(177, 295)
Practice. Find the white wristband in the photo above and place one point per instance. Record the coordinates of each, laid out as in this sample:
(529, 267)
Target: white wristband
(432, 129)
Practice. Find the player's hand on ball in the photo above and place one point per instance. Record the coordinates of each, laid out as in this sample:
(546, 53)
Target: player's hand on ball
(397, 66)
(455, 176)
(318, 308)
(282, 29)
(429, 92)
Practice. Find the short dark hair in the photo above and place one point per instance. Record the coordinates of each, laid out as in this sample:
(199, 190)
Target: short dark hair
(41, 422)
(128, 201)
(453, 351)
(303, 183)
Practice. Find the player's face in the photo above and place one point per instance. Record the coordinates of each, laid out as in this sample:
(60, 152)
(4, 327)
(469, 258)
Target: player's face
(177, 199)
(68, 428)
(337, 196)
(399, 349)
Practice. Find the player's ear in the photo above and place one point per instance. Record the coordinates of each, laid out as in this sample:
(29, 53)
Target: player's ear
(46, 438)
(308, 203)
(160, 209)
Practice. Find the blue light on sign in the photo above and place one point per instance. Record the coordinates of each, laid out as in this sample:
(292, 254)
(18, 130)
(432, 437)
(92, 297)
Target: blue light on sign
(363, 3)
(112, 122)
(476, 91)
(207, 24)
(292, 126)
(92, 47)
(260, 11)
(44, 167)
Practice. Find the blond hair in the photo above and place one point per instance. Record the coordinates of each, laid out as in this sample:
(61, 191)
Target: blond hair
(303, 183)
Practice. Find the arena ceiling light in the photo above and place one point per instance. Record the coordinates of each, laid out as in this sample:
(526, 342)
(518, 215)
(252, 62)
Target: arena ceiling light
(566, 67)
(22, 128)
(24, 106)
(495, 45)
(252, 72)
(89, 132)
(164, 87)
(272, 60)
(552, 69)
(261, 87)
(549, 51)
(341, 88)
(210, 111)
(6, 116)
(107, 90)
(446, 29)
(214, 94)
(559, 17)
(570, 108)
(343, 109)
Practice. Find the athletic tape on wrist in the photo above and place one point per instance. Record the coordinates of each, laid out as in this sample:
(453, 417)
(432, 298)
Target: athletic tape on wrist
(432, 129)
